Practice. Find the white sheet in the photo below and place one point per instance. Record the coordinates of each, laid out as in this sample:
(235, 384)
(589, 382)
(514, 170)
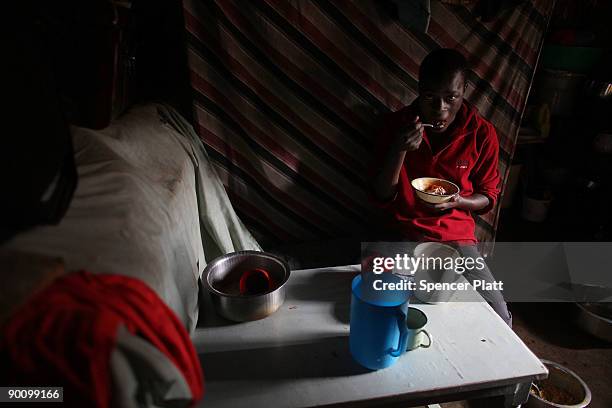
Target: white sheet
(148, 205)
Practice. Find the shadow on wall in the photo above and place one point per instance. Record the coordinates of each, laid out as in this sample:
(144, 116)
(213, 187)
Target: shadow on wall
(290, 130)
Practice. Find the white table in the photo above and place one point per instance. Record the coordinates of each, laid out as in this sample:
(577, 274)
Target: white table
(299, 356)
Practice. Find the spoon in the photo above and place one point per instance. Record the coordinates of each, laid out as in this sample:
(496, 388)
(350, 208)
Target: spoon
(539, 392)
(438, 125)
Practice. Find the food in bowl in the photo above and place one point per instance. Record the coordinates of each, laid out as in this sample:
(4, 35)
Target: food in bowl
(554, 394)
(563, 388)
(434, 190)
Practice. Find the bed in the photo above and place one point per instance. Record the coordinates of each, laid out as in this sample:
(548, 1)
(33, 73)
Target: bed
(150, 210)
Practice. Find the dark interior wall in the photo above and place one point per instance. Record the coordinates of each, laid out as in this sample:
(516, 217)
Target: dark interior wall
(37, 172)
(155, 39)
(82, 63)
(105, 57)
(70, 47)
(568, 167)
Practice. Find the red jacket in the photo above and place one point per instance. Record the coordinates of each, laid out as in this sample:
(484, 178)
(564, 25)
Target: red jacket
(469, 160)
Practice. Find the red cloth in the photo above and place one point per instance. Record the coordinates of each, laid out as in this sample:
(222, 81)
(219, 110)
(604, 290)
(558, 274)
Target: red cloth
(470, 160)
(65, 334)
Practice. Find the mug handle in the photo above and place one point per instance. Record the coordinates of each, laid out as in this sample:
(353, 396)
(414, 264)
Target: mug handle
(429, 337)
(403, 340)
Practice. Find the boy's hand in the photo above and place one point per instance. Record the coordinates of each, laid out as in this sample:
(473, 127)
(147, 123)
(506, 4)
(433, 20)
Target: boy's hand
(455, 202)
(409, 138)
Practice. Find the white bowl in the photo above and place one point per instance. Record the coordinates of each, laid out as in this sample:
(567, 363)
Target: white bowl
(433, 250)
(423, 183)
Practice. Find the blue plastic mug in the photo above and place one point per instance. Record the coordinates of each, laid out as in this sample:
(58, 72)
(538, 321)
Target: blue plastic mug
(378, 331)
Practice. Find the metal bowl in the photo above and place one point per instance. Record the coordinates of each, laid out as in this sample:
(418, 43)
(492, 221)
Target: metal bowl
(222, 279)
(562, 379)
(595, 318)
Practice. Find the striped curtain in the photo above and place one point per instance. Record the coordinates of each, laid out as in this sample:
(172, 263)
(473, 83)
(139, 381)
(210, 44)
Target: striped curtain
(287, 94)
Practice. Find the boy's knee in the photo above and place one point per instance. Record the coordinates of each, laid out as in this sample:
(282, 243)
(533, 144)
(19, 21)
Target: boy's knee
(501, 308)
